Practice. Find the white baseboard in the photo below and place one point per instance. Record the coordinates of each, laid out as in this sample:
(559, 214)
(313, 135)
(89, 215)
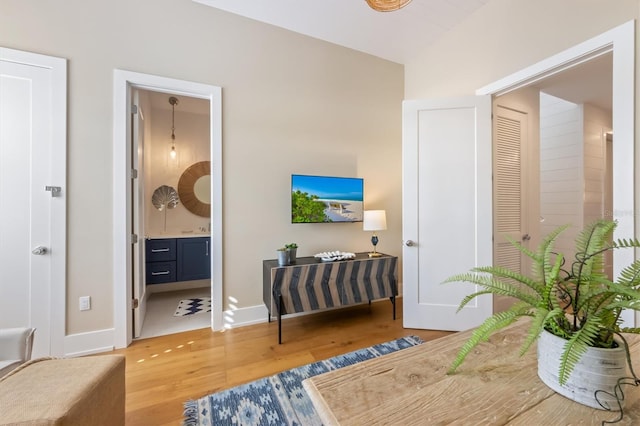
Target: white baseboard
(89, 343)
(240, 317)
(94, 342)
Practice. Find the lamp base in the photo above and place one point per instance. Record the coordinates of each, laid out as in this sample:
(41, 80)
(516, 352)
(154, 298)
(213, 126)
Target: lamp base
(374, 254)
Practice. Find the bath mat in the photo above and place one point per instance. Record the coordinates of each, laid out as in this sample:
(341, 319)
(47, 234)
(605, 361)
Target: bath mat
(193, 306)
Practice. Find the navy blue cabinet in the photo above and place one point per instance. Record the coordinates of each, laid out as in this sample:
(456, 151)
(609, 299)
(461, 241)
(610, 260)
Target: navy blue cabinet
(194, 258)
(177, 259)
(161, 260)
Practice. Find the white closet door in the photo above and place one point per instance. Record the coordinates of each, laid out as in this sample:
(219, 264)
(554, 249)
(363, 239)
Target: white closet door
(32, 217)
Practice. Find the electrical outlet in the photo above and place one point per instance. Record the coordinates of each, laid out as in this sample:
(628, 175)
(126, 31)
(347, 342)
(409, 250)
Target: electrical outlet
(85, 303)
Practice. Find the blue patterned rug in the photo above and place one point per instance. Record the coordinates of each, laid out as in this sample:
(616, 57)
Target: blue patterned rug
(279, 399)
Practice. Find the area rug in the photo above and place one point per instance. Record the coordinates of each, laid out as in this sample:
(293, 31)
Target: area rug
(279, 399)
(193, 306)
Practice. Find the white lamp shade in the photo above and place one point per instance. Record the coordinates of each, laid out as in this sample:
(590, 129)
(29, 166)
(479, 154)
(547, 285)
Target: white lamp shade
(374, 220)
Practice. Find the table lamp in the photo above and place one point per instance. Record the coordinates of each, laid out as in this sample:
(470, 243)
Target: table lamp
(374, 220)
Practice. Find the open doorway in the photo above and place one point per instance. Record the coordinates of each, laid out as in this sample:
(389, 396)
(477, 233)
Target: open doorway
(171, 152)
(126, 242)
(558, 126)
(567, 160)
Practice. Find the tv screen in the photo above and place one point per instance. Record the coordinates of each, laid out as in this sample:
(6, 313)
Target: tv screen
(323, 199)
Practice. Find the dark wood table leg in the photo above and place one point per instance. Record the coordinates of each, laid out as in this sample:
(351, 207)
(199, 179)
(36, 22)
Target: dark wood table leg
(280, 320)
(393, 302)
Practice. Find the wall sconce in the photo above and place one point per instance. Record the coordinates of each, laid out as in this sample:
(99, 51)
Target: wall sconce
(172, 153)
(374, 220)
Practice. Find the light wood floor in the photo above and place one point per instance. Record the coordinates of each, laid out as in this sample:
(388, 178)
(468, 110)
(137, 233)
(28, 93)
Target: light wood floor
(164, 372)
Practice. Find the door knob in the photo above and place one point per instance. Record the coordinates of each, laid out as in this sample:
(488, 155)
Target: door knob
(39, 251)
(409, 243)
(526, 237)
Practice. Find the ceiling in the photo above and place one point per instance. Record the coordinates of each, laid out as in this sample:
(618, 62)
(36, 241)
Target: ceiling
(400, 35)
(396, 36)
(588, 83)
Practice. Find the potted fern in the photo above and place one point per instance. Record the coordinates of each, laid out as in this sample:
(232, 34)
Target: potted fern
(574, 309)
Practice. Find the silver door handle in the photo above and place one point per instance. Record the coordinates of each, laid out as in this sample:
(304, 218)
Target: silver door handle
(39, 251)
(409, 243)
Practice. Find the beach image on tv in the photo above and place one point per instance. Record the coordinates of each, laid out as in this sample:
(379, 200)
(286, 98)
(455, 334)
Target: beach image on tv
(317, 199)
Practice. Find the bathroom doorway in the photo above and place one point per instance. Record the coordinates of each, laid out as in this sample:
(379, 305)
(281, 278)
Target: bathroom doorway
(128, 181)
(170, 150)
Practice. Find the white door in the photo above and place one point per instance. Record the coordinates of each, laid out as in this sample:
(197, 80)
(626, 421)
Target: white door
(32, 217)
(137, 216)
(447, 209)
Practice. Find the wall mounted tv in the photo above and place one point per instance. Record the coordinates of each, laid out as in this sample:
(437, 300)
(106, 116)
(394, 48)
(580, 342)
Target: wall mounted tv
(324, 199)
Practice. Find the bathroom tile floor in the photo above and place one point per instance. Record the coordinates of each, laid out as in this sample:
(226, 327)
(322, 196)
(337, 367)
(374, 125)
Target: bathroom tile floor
(160, 308)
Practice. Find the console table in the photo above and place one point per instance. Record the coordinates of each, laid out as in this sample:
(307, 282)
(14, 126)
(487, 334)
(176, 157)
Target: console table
(494, 386)
(310, 284)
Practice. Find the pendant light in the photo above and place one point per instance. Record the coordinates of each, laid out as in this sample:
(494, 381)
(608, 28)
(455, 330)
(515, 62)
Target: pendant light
(173, 101)
(387, 5)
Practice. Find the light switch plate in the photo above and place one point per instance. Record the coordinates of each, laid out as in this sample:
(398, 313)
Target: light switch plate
(85, 303)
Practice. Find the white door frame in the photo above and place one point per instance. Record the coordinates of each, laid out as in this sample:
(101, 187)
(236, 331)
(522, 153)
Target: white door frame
(58, 225)
(620, 41)
(122, 286)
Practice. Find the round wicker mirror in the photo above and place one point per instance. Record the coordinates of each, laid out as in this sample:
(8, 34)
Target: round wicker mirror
(194, 188)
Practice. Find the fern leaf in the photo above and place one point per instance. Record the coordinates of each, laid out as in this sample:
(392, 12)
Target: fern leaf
(470, 297)
(630, 276)
(625, 243)
(540, 318)
(500, 272)
(492, 285)
(576, 346)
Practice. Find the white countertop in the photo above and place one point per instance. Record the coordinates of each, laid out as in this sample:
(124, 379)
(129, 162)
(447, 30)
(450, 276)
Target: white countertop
(177, 235)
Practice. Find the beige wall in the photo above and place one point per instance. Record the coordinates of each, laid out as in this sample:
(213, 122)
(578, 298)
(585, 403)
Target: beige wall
(505, 36)
(291, 104)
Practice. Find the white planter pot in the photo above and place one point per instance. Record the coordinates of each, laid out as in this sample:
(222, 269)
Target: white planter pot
(598, 369)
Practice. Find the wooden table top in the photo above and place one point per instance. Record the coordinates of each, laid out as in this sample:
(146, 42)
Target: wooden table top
(494, 386)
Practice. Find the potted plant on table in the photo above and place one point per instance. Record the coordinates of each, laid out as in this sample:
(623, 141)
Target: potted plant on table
(283, 256)
(574, 308)
(292, 249)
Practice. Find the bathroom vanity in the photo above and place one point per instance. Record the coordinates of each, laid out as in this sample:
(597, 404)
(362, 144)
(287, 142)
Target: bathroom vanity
(177, 258)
